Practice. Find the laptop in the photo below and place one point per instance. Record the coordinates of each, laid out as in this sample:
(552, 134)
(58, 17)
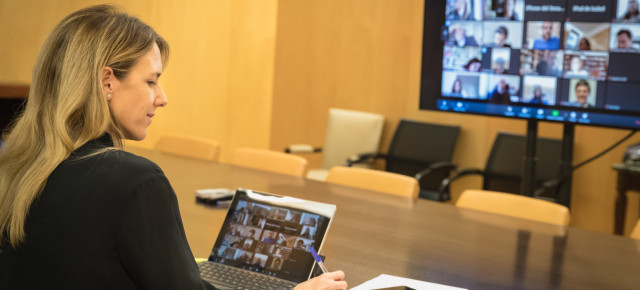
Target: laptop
(265, 242)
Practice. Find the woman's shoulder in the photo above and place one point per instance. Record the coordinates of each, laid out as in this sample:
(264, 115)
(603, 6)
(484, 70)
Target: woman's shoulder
(109, 164)
(122, 173)
(125, 163)
(100, 155)
(113, 178)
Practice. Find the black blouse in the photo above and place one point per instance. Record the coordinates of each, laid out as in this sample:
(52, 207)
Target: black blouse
(110, 221)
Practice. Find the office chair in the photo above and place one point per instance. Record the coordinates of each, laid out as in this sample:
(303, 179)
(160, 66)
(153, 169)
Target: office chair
(348, 133)
(514, 206)
(387, 182)
(504, 168)
(528, 208)
(422, 150)
(268, 160)
(189, 146)
(635, 233)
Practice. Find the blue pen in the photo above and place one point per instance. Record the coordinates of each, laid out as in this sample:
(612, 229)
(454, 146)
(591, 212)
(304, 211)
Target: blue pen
(318, 260)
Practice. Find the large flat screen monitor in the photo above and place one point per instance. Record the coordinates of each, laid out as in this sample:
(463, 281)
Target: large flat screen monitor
(573, 61)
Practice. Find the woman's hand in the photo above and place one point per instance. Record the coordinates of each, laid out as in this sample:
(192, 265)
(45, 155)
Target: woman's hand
(326, 281)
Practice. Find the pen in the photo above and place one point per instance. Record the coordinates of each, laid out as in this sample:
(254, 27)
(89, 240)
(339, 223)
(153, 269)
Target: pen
(318, 260)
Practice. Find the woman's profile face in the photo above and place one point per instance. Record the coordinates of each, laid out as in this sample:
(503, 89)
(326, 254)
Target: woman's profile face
(136, 97)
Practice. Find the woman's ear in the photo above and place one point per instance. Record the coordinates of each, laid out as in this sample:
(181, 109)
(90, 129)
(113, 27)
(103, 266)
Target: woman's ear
(107, 80)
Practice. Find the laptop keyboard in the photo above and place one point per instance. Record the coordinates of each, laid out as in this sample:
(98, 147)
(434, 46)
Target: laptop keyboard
(233, 278)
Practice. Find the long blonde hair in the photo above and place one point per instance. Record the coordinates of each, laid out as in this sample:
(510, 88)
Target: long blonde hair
(66, 107)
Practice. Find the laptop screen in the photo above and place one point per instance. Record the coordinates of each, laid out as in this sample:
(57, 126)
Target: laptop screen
(272, 234)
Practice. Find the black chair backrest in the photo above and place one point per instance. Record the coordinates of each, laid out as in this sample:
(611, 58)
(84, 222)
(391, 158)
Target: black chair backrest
(416, 145)
(504, 168)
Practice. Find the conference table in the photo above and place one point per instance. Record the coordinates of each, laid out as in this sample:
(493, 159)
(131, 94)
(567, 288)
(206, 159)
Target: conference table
(374, 233)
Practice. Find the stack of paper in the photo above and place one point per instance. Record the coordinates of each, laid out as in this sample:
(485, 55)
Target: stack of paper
(387, 281)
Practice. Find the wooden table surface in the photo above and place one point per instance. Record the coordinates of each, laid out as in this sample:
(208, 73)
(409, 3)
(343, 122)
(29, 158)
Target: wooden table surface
(374, 233)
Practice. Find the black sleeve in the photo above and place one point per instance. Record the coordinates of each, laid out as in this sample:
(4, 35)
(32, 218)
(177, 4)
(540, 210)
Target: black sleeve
(151, 241)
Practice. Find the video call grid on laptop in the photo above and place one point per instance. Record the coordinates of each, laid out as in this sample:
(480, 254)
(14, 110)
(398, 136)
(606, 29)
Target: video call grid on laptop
(271, 235)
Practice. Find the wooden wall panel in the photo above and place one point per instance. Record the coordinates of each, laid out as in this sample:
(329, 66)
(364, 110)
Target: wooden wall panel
(218, 81)
(365, 55)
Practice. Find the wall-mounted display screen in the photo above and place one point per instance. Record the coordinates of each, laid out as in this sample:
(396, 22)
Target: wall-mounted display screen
(574, 61)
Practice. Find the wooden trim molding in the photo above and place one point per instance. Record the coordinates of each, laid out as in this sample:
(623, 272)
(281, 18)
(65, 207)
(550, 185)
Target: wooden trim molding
(14, 91)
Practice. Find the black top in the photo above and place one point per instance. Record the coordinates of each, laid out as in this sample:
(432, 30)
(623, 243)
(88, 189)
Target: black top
(110, 221)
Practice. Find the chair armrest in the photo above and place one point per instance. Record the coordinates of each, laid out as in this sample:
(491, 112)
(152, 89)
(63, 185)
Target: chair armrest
(551, 184)
(444, 186)
(443, 165)
(364, 157)
(302, 148)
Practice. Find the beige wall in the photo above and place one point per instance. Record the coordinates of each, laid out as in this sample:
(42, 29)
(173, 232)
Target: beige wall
(264, 73)
(219, 76)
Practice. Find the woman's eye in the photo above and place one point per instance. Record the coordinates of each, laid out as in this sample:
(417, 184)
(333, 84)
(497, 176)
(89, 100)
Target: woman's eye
(151, 83)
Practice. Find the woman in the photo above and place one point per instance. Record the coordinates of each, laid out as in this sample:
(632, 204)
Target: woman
(76, 212)
(584, 44)
(456, 89)
(473, 65)
(538, 96)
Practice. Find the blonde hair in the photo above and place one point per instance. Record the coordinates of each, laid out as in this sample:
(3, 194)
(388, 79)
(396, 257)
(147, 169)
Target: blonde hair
(66, 107)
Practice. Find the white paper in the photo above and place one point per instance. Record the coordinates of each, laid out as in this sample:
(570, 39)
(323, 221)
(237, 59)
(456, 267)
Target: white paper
(386, 281)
